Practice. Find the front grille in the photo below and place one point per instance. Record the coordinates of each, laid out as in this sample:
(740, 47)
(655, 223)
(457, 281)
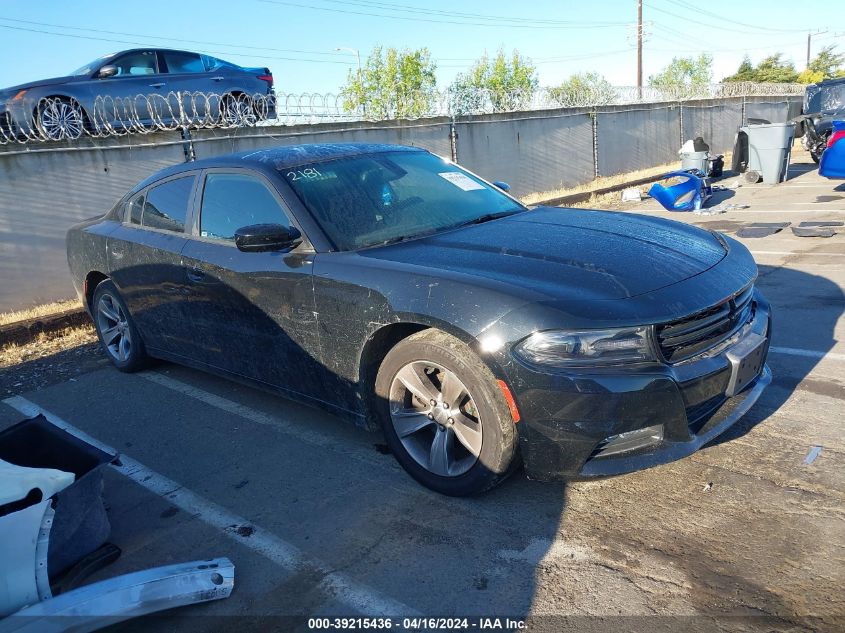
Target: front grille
(692, 335)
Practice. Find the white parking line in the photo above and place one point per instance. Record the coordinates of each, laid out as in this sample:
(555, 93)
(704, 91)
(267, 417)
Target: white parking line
(785, 253)
(297, 430)
(808, 353)
(363, 599)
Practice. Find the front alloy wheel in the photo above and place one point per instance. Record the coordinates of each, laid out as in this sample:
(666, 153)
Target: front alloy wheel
(60, 120)
(435, 418)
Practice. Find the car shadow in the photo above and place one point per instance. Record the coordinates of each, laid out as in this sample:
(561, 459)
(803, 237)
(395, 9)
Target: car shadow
(810, 307)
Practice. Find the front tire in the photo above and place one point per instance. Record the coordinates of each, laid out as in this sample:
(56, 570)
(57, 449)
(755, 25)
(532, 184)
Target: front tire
(443, 415)
(119, 337)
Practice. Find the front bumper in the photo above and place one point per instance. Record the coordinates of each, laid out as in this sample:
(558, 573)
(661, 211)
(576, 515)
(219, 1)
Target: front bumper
(568, 418)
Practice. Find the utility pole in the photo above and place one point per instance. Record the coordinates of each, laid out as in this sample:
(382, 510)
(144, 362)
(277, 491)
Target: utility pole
(809, 39)
(640, 49)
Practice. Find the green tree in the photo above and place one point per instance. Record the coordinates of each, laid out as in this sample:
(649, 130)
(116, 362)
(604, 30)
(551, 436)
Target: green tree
(775, 70)
(499, 84)
(684, 76)
(745, 72)
(826, 64)
(582, 89)
(392, 84)
(772, 69)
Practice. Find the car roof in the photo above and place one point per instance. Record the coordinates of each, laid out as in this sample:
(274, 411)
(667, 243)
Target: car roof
(284, 157)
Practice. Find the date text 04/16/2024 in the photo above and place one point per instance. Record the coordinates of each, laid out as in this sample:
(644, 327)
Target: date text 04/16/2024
(417, 624)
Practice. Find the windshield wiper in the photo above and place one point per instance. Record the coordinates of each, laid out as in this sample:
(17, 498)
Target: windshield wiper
(486, 218)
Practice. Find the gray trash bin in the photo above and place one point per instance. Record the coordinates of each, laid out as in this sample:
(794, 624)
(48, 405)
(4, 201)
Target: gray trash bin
(769, 147)
(695, 160)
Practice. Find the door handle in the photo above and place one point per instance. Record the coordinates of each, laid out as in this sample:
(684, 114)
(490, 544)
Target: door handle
(195, 274)
(217, 78)
(158, 85)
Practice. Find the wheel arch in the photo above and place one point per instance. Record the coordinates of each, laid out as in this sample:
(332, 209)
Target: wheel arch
(92, 280)
(385, 338)
(62, 97)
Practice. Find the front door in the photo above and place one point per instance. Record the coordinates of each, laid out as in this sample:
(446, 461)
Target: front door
(252, 313)
(124, 100)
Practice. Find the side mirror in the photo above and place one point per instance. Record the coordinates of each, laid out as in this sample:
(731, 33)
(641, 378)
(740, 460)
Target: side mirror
(109, 70)
(266, 237)
(502, 185)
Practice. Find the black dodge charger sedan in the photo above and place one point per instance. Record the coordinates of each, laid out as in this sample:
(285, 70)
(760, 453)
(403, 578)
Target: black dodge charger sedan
(399, 290)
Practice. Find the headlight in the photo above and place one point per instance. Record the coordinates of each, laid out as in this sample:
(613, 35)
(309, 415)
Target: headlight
(562, 348)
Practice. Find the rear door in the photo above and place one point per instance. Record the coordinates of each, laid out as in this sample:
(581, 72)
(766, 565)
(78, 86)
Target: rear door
(186, 75)
(251, 313)
(146, 263)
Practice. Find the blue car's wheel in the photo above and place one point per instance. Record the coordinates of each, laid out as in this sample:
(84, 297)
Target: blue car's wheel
(59, 119)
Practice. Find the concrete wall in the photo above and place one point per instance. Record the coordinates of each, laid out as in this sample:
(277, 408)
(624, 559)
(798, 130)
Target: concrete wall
(43, 193)
(44, 189)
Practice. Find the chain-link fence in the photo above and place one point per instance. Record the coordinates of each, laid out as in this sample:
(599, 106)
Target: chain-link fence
(65, 119)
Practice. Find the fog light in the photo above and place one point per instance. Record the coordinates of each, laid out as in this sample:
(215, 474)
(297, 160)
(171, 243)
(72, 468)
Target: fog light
(630, 441)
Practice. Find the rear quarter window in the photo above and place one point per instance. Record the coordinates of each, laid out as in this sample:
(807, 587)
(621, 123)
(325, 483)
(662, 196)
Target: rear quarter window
(167, 205)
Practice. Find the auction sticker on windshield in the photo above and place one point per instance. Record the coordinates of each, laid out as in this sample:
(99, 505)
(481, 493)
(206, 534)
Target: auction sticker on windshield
(461, 180)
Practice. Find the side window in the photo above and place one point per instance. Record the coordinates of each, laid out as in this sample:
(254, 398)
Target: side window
(134, 209)
(183, 62)
(167, 205)
(143, 63)
(231, 201)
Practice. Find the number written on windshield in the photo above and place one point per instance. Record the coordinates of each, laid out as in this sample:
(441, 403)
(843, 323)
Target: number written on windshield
(308, 174)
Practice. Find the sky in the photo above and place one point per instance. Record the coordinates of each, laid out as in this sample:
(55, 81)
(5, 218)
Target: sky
(298, 39)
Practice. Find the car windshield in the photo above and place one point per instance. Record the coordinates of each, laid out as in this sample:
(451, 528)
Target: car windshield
(89, 68)
(387, 197)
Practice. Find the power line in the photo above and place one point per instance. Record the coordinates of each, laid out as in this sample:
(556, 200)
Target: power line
(172, 39)
(434, 21)
(400, 8)
(146, 44)
(720, 27)
(697, 9)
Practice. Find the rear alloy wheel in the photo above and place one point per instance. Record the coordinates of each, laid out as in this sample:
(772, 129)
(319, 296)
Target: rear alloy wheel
(60, 119)
(118, 335)
(238, 111)
(443, 415)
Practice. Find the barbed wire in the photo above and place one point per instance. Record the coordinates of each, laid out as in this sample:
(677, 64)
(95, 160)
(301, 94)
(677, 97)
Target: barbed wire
(62, 119)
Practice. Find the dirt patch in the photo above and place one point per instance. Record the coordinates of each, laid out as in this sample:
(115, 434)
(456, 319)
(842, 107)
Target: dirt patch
(49, 359)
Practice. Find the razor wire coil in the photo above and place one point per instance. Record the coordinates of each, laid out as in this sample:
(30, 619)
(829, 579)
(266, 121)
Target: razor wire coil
(62, 119)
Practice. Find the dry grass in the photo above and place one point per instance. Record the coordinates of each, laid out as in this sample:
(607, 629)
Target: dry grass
(46, 344)
(38, 311)
(600, 183)
(608, 181)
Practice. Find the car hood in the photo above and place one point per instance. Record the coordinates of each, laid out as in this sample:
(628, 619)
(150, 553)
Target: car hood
(54, 81)
(568, 253)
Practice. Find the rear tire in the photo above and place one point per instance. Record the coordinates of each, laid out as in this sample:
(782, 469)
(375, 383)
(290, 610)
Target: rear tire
(238, 111)
(119, 337)
(457, 448)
